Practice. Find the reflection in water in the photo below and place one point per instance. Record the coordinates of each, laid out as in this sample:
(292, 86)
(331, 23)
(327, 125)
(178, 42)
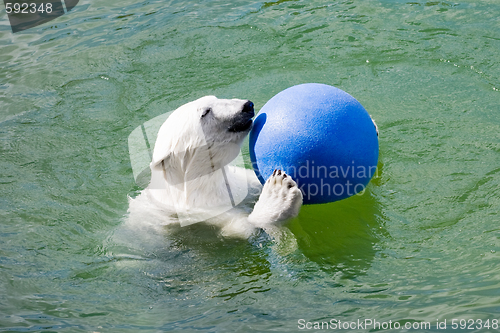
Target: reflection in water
(193, 258)
(340, 236)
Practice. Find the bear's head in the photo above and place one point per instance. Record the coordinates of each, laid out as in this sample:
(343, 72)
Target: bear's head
(203, 136)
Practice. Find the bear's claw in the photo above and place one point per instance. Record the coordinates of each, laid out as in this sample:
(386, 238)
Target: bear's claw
(280, 200)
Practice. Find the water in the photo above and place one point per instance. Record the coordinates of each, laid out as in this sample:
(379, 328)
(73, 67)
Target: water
(420, 246)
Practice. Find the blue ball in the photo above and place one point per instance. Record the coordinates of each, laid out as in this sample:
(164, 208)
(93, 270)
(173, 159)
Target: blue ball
(319, 135)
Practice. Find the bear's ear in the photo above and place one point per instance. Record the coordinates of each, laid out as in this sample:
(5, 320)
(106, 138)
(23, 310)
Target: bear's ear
(180, 132)
(157, 164)
(161, 153)
(166, 141)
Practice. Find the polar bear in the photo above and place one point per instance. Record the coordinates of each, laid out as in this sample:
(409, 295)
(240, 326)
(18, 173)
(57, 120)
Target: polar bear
(192, 181)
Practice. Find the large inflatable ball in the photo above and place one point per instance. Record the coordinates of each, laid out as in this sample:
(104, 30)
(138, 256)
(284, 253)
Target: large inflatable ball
(319, 135)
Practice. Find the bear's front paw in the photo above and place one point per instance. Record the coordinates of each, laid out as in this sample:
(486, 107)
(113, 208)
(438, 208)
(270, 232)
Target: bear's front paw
(280, 200)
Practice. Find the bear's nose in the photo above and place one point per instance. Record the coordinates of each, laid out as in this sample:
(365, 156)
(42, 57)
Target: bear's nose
(248, 107)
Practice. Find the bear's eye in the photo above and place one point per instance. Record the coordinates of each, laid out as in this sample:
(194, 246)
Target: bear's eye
(205, 112)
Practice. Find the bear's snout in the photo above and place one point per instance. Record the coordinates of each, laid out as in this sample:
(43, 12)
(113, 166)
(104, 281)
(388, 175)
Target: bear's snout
(243, 120)
(248, 108)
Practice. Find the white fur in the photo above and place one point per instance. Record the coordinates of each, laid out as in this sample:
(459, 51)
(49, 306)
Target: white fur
(191, 174)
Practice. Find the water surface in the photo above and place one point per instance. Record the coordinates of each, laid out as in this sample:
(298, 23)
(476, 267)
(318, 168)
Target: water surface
(421, 245)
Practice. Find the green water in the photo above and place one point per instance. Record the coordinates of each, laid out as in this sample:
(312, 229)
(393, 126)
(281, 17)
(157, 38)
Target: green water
(421, 245)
